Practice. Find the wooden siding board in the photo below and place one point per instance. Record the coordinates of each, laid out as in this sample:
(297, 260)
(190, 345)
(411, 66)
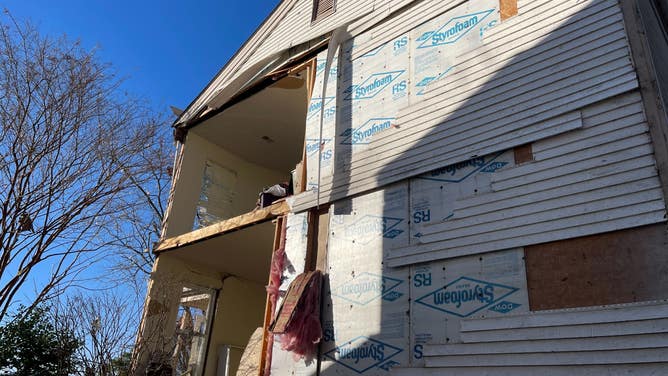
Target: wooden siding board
(596, 157)
(531, 209)
(647, 77)
(569, 331)
(591, 180)
(398, 166)
(618, 313)
(637, 341)
(396, 157)
(644, 175)
(597, 340)
(605, 134)
(579, 370)
(659, 354)
(519, 223)
(592, 223)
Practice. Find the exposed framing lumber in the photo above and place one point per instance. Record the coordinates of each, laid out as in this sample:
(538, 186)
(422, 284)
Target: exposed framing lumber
(226, 226)
(656, 115)
(265, 355)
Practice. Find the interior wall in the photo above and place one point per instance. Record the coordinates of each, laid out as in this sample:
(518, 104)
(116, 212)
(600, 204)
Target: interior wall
(239, 311)
(168, 277)
(251, 178)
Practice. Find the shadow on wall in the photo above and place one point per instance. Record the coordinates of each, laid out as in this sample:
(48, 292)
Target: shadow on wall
(527, 82)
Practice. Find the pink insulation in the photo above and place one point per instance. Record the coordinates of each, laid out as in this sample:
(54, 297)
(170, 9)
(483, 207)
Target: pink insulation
(304, 330)
(275, 273)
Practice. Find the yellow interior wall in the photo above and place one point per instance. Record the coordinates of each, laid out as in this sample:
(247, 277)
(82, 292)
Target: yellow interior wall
(251, 178)
(168, 277)
(239, 311)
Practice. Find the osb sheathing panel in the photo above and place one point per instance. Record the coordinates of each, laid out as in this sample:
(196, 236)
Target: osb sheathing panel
(617, 267)
(508, 8)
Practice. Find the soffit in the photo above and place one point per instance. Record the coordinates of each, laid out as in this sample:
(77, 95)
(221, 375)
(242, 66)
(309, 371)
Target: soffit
(245, 253)
(266, 129)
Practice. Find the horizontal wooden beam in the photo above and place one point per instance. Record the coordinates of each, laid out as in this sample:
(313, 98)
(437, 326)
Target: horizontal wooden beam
(222, 227)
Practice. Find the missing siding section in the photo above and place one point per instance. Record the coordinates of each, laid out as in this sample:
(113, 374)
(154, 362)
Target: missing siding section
(508, 8)
(618, 267)
(523, 154)
(323, 237)
(318, 233)
(648, 41)
(322, 9)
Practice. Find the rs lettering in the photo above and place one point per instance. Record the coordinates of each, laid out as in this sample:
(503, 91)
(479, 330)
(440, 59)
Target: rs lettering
(417, 351)
(422, 216)
(399, 43)
(328, 335)
(398, 88)
(485, 28)
(422, 279)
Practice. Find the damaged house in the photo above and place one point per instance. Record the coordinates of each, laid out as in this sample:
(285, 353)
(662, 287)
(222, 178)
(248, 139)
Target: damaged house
(422, 188)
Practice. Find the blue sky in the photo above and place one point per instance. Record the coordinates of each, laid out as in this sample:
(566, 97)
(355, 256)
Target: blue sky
(168, 50)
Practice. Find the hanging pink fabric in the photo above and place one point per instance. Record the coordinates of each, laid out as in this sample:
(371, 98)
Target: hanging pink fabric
(275, 274)
(301, 330)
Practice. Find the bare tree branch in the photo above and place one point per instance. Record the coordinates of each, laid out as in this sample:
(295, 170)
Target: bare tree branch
(81, 166)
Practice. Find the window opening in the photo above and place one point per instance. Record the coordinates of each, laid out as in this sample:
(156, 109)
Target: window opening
(192, 328)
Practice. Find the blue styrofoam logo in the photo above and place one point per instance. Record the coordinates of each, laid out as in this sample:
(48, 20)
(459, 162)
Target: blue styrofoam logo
(313, 145)
(371, 227)
(493, 167)
(454, 29)
(504, 307)
(366, 287)
(372, 85)
(465, 296)
(362, 135)
(374, 52)
(424, 36)
(320, 67)
(422, 84)
(316, 105)
(363, 353)
(459, 172)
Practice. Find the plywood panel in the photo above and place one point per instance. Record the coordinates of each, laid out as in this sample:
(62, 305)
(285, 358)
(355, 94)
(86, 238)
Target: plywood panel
(617, 267)
(508, 8)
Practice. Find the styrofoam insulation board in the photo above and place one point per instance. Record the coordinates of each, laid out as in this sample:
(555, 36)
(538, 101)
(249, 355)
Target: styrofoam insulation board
(366, 321)
(445, 292)
(296, 238)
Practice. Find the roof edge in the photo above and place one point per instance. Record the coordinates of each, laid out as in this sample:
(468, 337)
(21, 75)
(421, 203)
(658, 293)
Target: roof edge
(272, 17)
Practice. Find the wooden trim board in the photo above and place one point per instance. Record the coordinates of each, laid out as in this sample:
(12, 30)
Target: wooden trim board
(223, 227)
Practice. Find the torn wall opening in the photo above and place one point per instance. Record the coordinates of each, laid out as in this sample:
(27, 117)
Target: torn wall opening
(266, 131)
(240, 260)
(231, 157)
